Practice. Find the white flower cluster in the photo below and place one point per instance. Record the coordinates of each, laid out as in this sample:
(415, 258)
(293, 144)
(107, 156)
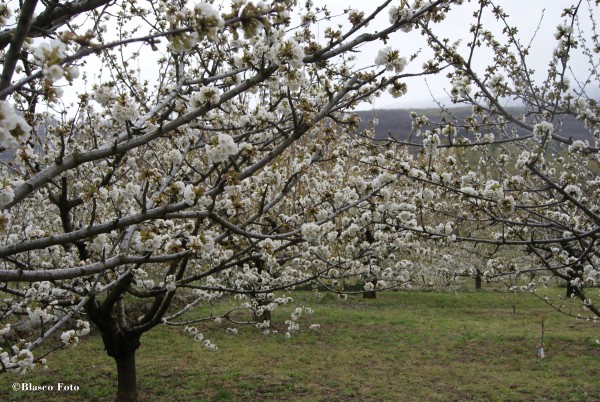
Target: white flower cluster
(290, 52)
(470, 191)
(37, 315)
(311, 232)
(524, 159)
(461, 86)
(12, 126)
(52, 53)
(170, 283)
(508, 204)
(398, 14)
(199, 337)
(355, 16)
(205, 94)
(43, 291)
(573, 190)
(542, 130)
(494, 191)
(98, 245)
(7, 194)
(390, 59)
(578, 146)
(497, 83)
(207, 20)
(431, 142)
(104, 95)
(124, 112)
(193, 331)
(69, 338)
(563, 30)
(54, 49)
(20, 361)
(4, 329)
(183, 42)
(224, 148)
(592, 275)
(210, 346)
(82, 328)
(189, 196)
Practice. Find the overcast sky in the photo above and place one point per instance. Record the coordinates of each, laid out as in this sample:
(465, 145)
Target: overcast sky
(524, 14)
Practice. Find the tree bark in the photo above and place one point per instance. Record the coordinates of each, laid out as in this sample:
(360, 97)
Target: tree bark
(478, 282)
(126, 374)
(121, 346)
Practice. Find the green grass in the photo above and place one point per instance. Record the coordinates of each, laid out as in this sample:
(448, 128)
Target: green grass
(405, 346)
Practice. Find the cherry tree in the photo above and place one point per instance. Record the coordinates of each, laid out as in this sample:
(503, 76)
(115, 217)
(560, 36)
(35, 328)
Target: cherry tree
(515, 177)
(162, 148)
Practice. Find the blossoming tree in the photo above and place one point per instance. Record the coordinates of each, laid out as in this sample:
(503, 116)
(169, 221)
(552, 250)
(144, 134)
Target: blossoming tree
(165, 149)
(515, 177)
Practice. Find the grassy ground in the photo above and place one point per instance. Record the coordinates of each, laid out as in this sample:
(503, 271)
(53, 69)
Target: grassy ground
(407, 346)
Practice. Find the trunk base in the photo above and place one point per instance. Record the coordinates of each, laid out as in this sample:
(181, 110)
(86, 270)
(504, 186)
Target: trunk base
(127, 382)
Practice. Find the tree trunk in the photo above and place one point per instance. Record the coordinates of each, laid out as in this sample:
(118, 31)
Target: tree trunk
(478, 282)
(577, 274)
(120, 344)
(265, 316)
(371, 294)
(127, 384)
(570, 289)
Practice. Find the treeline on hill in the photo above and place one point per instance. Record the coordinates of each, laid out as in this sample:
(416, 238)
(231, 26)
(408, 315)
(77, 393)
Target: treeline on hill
(397, 123)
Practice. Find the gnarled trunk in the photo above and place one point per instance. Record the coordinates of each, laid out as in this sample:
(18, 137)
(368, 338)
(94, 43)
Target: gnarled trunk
(121, 346)
(120, 341)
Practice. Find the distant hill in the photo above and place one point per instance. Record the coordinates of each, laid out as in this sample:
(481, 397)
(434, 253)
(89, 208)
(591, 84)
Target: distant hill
(397, 123)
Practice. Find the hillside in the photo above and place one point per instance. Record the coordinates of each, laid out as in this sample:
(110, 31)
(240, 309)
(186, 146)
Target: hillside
(397, 122)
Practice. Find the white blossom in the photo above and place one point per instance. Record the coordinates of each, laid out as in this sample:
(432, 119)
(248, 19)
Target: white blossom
(69, 338)
(224, 148)
(13, 127)
(54, 72)
(390, 59)
(123, 113)
(573, 190)
(104, 95)
(542, 129)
